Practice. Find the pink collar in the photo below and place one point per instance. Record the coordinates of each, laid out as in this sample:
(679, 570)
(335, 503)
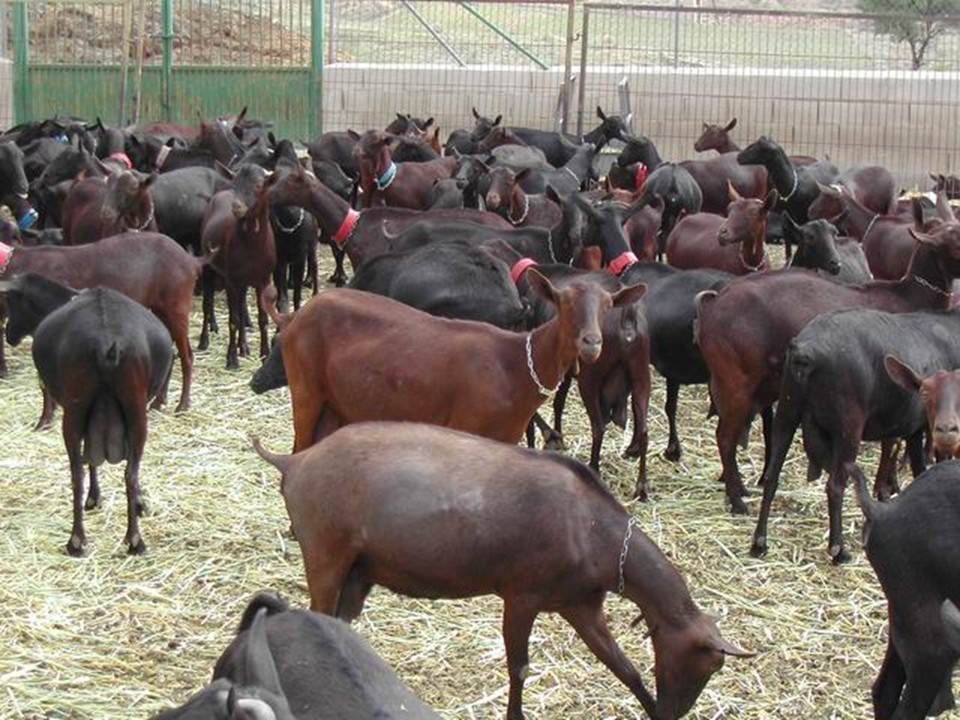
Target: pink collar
(520, 267)
(622, 262)
(121, 157)
(6, 252)
(640, 176)
(346, 227)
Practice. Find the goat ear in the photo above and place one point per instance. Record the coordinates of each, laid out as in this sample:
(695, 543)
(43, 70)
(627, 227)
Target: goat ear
(731, 125)
(944, 211)
(600, 113)
(629, 295)
(728, 648)
(428, 123)
(259, 668)
(475, 113)
(543, 287)
(902, 374)
(732, 192)
(951, 623)
(771, 201)
(924, 237)
(706, 126)
(935, 177)
(497, 121)
(149, 180)
(354, 135)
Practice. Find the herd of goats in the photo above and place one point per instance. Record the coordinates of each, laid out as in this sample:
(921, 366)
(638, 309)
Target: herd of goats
(487, 275)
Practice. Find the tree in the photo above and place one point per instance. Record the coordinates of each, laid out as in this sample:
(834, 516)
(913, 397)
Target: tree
(915, 22)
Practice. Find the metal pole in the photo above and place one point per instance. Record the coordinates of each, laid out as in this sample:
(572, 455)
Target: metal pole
(676, 34)
(316, 68)
(332, 38)
(167, 70)
(138, 87)
(517, 46)
(125, 43)
(568, 63)
(583, 68)
(21, 83)
(433, 32)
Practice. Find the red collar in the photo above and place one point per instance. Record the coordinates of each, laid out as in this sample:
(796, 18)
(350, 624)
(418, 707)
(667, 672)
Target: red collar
(6, 252)
(520, 267)
(346, 227)
(121, 157)
(640, 176)
(621, 262)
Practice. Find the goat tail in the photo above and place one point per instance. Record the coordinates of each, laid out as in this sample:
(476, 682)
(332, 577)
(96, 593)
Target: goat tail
(871, 508)
(280, 462)
(274, 605)
(109, 356)
(702, 300)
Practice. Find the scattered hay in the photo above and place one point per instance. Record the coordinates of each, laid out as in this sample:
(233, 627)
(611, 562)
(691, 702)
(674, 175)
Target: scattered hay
(111, 636)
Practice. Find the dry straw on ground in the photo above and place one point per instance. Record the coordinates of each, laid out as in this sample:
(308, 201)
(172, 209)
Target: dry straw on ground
(110, 636)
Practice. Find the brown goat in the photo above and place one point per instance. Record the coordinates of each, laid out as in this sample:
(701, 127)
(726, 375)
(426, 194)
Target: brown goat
(940, 395)
(429, 512)
(350, 356)
(385, 182)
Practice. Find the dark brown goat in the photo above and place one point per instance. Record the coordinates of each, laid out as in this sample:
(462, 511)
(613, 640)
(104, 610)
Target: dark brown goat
(147, 267)
(744, 331)
(236, 228)
(405, 185)
(429, 512)
(96, 208)
(734, 244)
(350, 356)
(507, 198)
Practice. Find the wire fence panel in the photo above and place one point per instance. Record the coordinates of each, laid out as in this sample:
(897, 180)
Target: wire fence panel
(440, 58)
(823, 84)
(81, 58)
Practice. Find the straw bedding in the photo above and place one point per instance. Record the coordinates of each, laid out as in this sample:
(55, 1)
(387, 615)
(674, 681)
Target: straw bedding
(110, 636)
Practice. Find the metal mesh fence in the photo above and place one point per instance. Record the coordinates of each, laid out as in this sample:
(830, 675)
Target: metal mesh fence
(441, 58)
(823, 84)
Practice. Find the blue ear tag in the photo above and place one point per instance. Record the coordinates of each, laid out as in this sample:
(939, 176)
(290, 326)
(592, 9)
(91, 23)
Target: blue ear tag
(28, 219)
(61, 137)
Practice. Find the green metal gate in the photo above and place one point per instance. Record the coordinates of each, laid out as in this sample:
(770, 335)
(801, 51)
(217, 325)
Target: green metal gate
(130, 60)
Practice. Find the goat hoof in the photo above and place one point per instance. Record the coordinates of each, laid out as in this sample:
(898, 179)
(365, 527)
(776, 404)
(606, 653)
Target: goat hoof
(233, 363)
(759, 547)
(839, 555)
(158, 403)
(92, 503)
(136, 546)
(142, 508)
(43, 424)
(631, 453)
(738, 506)
(182, 407)
(76, 547)
(672, 453)
(641, 494)
(203, 343)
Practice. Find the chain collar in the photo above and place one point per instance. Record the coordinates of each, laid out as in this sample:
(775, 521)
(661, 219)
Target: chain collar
(553, 256)
(146, 223)
(869, 227)
(572, 174)
(933, 288)
(796, 181)
(533, 373)
(526, 210)
(624, 550)
(758, 266)
(296, 225)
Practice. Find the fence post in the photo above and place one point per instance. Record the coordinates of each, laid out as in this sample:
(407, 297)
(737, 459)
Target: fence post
(584, 45)
(167, 20)
(568, 65)
(21, 76)
(316, 68)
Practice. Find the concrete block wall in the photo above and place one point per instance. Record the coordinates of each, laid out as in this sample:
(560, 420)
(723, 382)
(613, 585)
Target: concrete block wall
(6, 93)
(906, 121)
